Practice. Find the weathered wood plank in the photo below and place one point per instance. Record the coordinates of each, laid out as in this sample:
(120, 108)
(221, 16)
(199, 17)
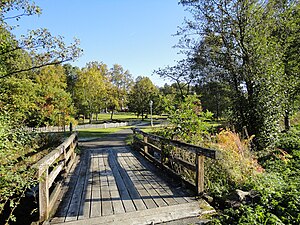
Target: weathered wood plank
(160, 185)
(137, 181)
(150, 216)
(52, 176)
(84, 209)
(184, 163)
(107, 207)
(113, 189)
(43, 194)
(157, 186)
(189, 147)
(122, 189)
(200, 174)
(148, 184)
(68, 189)
(75, 201)
(134, 195)
(95, 202)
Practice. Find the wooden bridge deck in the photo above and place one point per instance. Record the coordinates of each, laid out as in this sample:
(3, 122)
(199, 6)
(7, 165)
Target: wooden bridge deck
(112, 184)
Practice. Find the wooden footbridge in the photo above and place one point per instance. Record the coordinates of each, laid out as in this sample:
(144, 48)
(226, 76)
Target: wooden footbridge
(113, 184)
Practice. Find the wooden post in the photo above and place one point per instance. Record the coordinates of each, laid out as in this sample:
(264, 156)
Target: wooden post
(200, 174)
(146, 146)
(162, 154)
(65, 157)
(43, 195)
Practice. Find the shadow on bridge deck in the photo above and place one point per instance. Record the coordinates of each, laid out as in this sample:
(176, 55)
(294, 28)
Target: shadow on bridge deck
(112, 184)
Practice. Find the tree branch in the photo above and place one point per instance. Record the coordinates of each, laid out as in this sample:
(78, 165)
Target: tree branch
(34, 67)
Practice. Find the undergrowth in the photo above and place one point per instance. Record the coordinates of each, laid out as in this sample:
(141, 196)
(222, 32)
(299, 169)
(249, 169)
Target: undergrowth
(19, 150)
(271, 177)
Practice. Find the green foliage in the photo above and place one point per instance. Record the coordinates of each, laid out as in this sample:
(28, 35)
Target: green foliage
(251, 47)
(120, 84)
(289, 140)
(187, 121)
(90, 88)
(140, 95)
(15, 172)
(278, 190)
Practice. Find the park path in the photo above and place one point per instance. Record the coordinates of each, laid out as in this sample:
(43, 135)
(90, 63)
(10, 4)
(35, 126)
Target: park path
(113, 184)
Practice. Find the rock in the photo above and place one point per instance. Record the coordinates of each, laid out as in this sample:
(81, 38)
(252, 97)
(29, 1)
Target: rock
(242, 194)
(208, 198)
(238, 197)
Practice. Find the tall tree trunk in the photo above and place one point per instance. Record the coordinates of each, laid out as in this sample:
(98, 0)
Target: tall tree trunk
(91, 117)
(287, 124)
(112, 113)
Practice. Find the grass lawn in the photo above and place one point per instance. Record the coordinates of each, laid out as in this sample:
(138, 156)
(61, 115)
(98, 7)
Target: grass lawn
(119, 116)
(98, 132)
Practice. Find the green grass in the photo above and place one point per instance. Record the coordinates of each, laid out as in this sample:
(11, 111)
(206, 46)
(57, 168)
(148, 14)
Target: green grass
(98, 132)
(122, 116)
(119, 116)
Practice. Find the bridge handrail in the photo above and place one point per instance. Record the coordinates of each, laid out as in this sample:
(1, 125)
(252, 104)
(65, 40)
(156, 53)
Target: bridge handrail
(200, 153)
(57, 162)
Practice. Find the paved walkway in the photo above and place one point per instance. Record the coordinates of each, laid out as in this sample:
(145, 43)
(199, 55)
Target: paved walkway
(113, 184)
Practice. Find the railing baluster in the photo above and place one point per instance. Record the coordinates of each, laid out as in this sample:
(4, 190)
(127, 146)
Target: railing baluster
(43, 194)
(145, 146)
(199, 174)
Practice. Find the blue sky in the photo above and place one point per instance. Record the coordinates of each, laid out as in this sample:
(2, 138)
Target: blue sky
(136, 34)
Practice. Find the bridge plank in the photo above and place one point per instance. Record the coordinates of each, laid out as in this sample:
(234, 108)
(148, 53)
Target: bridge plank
(117, 205)
(84, 209)
(122, 189)
(134, 195)
(159, 184)
(146, 182)
(96, 187)
(107, 207)
(137, 181)
(68, 188)
(150, 216)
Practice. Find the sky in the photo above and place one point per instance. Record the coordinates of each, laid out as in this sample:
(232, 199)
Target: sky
(137, 34)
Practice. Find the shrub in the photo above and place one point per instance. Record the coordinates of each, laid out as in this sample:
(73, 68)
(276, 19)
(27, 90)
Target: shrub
(234, 167)
(187, 121)
(15, 173)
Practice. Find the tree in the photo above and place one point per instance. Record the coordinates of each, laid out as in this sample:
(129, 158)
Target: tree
(91, 88)
(71, 73)
(214, 97)
(53, 99)
(235, 40)
(141, 93)
(18, 98)
(121, 83)
(43, 48)
(287, 31)
(182, 74)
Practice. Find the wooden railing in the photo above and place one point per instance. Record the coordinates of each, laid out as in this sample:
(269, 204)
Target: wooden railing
(50, 171)
(159, 156)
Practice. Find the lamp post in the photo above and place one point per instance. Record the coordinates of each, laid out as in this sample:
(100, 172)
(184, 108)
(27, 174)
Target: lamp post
(151, 120)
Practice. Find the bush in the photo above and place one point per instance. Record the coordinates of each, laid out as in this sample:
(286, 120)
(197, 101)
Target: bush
(290, 140)
(15, 173)
(278, 189)
(233, 168)
(187, 121)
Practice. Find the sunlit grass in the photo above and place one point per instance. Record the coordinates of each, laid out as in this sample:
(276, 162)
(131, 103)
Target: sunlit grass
(120, 116)
(98, 132)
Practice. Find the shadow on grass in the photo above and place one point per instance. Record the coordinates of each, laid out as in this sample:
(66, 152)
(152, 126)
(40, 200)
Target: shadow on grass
(87, 134)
